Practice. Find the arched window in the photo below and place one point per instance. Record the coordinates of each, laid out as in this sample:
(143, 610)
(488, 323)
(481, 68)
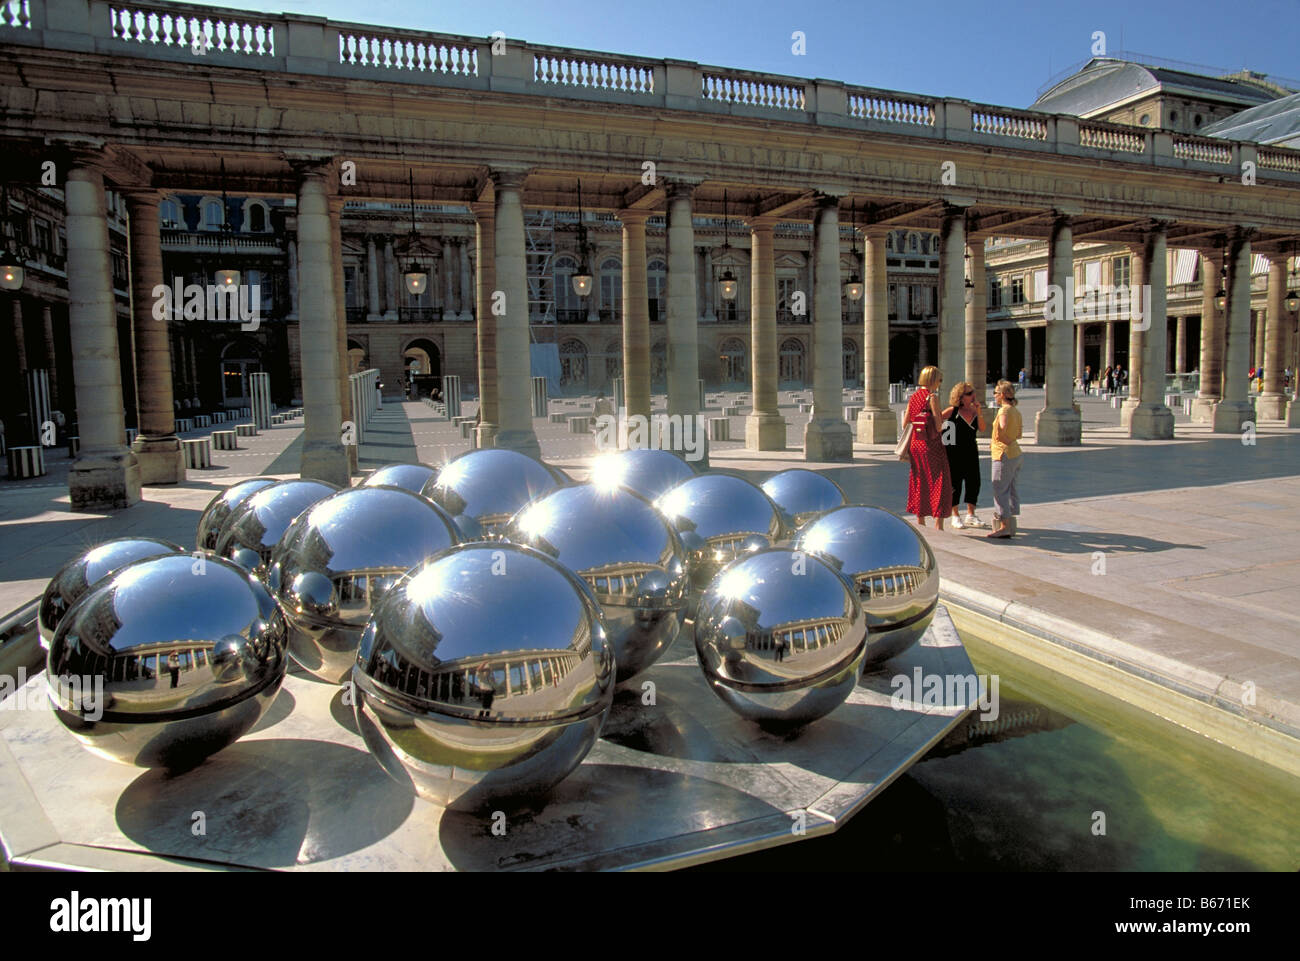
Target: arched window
(611, 290)
(656, 277)
(791, 370)
(914, 243)
(169, 213)
(735, 366)
(256, 218)
(568, 305)
(573, 363)
(613, 359)
(852, 361)
(212, 219)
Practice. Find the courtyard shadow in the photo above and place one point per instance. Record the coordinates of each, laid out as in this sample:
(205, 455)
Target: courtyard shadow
(1086, 542)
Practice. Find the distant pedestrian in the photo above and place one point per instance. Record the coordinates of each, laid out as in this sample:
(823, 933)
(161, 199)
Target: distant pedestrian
(1105, 379)
(1007, 458)
(964, 413)
(1024, 379)
(929, 485)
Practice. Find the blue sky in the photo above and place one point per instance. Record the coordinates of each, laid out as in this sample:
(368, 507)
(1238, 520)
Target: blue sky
(996, 51)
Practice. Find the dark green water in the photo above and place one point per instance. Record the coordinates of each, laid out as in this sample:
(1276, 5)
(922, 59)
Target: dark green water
(1025, 799)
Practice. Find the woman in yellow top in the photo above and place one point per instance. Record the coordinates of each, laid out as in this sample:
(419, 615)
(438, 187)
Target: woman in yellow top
(1007, 458)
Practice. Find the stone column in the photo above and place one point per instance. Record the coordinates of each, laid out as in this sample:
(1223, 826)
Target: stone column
(20, 337)
(977, 347)
(1137, 330)
(827, 437)
(157, 448)
(706, 274)
(1233, 410)
(105, 474)
(1257, 324)
(682, 319)
(1272, 402)
(194, 371)
(952, 295)
(636, 315)
(514, 371)
(1152, 420)
(1058, 424)
(1006, 356)
(765, 428)
(466, 287)
(1108, 359)
(293, 278)
(1029, 356)
(593, 299)
(486, 327)
(372, 280)
(347, 410)
(1079, 362)
(1180, 345)
(1212, 341)
(449, 271)
(323, 455)
(877, 423)
(392, 282)
(51, 359)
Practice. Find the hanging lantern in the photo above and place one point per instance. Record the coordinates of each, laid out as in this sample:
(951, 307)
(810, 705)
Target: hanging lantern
(227, 278)
(415, 276)
(582, 280)
(417, 280)
(853, 288)
(728, 284)
(12, 272)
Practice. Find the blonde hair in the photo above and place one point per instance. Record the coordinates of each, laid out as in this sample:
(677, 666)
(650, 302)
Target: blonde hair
(1008, 390)
(955, 395)
(929, 377)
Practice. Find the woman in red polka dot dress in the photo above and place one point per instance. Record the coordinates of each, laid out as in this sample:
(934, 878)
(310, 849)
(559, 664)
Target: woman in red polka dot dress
(929, 486)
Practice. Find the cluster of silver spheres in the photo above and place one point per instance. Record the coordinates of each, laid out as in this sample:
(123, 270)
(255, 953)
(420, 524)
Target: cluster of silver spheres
(484, 612)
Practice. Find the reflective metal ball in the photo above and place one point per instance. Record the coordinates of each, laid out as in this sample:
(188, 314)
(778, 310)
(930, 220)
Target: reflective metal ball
(719, 518)
(253, 529)
(891, 565)
(483, 489)
(411, 477)
(781, 637)
(484, 674)
(222, 506)
(802, 495)
(167, 661)
(86, 570)
(651, 473)
(631, 559)
(336, 561)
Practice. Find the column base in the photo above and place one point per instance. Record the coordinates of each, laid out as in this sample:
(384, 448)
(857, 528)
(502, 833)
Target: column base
(827, 440)
(373, 318)
(390, 316)
(1292, 414)
(1152, 422)
(1058, 427)
(1203, 410)
(523, 441)
(327, 461)
(485, 436)
(1231, 415)
(160, 459)
(1126, 412)
(877, 425)
(764, 432)
(104, 480)
(1271, 406)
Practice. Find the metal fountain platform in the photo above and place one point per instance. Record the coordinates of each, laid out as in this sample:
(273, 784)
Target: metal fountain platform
(669, 784)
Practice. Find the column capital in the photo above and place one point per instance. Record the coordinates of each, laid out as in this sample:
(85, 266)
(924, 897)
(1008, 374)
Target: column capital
(823, 200)
(679, 188)
(1245, 232)
(763, 222)
(509, 178)
(631, 216)
(311, 163)
(1063, 216)
(1160, 225)
(140, 197)
(876, 231)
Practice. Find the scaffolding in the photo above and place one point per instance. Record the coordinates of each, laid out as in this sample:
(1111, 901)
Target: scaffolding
(539, 238)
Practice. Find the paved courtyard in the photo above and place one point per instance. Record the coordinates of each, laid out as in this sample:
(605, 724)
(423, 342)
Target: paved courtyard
(1178, 558)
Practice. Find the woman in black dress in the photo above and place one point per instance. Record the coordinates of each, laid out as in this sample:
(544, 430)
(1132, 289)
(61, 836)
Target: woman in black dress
(963, 423)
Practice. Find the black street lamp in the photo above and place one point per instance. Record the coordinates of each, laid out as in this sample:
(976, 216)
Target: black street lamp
(582, 280)
(853, 288)
(727, 283)
(415, 276)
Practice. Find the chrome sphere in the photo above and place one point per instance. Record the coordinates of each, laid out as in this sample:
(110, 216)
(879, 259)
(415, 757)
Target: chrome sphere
(802, 495)
(411, 477)
(222, 506)
(630, 558)
(86, 570)
(336, 561)
(167, 661)
(251, 532)
(483, 489)
(484, 674)
(651, 473)
(781, 637)
(892, 567)
(719, 518)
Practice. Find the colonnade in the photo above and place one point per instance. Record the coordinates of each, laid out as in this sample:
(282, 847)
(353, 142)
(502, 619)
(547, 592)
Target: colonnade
(107, 474)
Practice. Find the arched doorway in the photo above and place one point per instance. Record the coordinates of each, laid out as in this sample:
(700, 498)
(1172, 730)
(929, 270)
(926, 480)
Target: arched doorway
(239, 358)
(791, 369)
(852, 362)
(422, 363)
(573, 363)
(735, 369)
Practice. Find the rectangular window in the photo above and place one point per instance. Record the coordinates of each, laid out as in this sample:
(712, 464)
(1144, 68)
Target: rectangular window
(351, 285)
(1092, 274)
(995, 293)
(1040, 285)
(41, 234)
(785, 290)
(893, 301)
(1122, 270)
(1017, 290)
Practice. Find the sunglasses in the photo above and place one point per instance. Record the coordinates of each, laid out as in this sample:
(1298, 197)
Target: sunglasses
(969, 393)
